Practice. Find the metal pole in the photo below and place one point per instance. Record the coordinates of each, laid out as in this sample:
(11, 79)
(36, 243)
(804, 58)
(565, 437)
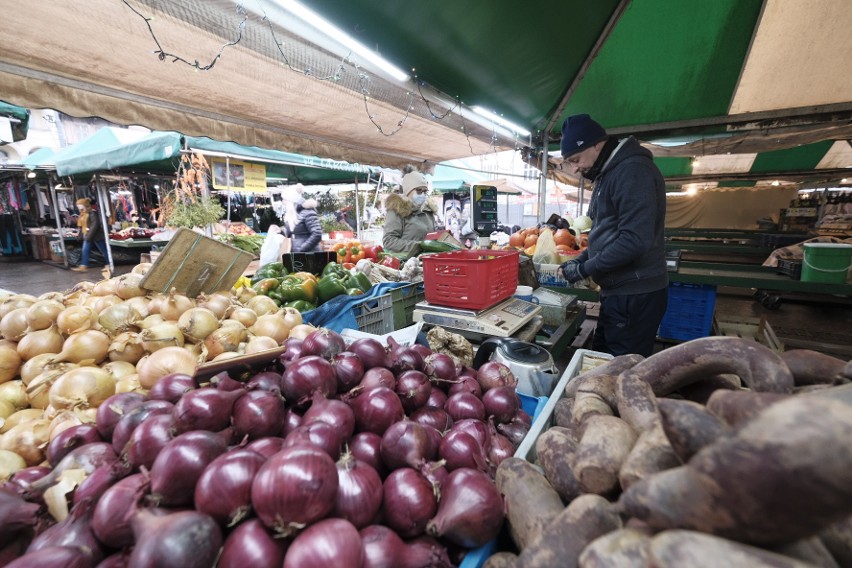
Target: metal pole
(228, 184)
(582, 196)
(103, 199)
(56, 216)
(542, 186)
(357, 209)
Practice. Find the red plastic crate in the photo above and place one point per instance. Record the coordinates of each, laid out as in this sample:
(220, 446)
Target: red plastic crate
(471, 279)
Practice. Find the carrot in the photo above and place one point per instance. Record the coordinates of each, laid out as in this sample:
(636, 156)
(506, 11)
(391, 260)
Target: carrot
(531, 502)
(689, 426)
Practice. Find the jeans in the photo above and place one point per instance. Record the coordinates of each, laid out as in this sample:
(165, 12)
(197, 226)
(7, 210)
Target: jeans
(87, 249)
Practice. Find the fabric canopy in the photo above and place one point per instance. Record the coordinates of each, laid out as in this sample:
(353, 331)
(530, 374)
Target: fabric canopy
(19, 120)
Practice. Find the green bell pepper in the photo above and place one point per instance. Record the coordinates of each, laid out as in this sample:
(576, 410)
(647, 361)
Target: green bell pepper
(330, 286)
(333, 268)
(265, 286)
(301, 305)
(294, 289)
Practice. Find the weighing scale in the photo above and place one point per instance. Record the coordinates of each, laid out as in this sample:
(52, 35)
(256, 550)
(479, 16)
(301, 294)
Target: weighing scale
(501, 320)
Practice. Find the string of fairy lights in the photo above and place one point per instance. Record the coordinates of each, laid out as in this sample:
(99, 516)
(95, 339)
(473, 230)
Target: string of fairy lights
(335, 76)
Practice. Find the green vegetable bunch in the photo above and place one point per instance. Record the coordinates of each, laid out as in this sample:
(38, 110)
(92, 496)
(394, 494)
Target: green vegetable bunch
(201, 213)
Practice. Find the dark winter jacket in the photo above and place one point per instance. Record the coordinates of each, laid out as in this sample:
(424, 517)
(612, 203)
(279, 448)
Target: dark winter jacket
(404, 227)
(94, 228)
(307, 234)
(626, 253)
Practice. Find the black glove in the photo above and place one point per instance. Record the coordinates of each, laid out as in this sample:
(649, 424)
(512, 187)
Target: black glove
(572, 271)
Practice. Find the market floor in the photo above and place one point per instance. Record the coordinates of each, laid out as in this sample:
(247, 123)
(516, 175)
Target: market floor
(798, 322)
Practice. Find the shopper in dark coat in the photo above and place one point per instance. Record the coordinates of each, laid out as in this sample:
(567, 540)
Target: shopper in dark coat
(307, 233)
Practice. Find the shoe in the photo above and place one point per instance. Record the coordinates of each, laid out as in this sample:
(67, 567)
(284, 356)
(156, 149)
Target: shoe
(81, 268)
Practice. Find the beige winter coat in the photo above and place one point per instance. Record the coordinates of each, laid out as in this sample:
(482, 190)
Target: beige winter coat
(404, 227)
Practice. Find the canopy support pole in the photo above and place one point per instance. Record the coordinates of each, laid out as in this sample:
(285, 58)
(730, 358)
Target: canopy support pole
(55, 207)
(103, 202)
(357, 209)
(542, 185)
(228, 184)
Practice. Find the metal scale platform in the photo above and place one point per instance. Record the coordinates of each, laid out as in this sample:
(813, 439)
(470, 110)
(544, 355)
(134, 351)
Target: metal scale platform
(501, 320)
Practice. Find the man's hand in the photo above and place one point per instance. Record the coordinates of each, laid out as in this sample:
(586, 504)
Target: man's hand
(572, 271)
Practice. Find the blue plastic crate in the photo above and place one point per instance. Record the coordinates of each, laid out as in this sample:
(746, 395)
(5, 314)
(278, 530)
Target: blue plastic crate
(690, 310)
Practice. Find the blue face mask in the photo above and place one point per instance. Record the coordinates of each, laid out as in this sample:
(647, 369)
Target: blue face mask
(418, 199)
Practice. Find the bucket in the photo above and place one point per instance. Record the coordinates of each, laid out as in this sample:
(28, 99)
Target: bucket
(826, 262)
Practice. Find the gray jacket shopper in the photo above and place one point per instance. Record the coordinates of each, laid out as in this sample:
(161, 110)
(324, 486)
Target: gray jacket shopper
(307, 233)
(410, 216)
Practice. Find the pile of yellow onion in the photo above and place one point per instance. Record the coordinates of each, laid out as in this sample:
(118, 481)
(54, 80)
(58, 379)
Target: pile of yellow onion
(63, 354)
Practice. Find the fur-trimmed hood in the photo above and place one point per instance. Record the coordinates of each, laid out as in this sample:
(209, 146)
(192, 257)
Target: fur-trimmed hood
(403, 206)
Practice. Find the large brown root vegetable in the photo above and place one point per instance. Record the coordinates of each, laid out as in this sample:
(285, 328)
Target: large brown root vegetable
(781, 477)
(562, 541)
(700, 390)
(563, 413)
(595, 395)
(651, 454)
(812, 367)
(623, 548)
(759, 367)
(837, 538)
(531, 502)
(688, 426)
(614, 366)
(637, 404)
(606, 443)
(555, 451)
(501, 560)
(678, 549)
(737, 407)
(810, 550)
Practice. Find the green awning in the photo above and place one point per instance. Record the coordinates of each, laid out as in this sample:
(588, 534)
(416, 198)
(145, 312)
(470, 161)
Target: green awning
(19, 118)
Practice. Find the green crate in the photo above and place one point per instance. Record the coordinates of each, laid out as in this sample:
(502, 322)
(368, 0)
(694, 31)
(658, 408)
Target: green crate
(375, 315)
(404, 300)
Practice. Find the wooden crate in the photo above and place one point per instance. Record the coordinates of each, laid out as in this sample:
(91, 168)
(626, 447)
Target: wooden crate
(757, 329)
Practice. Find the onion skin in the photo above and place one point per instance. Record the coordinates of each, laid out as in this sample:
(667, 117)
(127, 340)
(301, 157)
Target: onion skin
(251, 545)
(376, 409)
(383, 548)
(407, 444)
(205, 409)
(267, 447)
(413, 389)
(324, 343)
(224, 489)
(16, 513)
(334, 412)
(349, 370)
(359, 492)
(69, 439)
(111, 519)
(259, 414)
(306, 375)
(102, 478)
(435, 417)
(464, 405)
(148, 439)
(76, 531)
(125, 426)
(52, 557)
(88, 458)
(502, 403)
(331, 542)
(367, 447)
(370, 351)
(320, 434)
(180, 464)
(493, 374)
(186, 539)
(471, 509)
(461, 450)
(172, 386)
(408, 502)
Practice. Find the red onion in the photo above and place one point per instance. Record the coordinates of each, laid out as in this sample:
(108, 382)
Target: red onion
(87, 458)
(370, 351)
(266, 380)
(292, 351)
(377, 377)
(266, 447)
(113, 409)
(493, 374)
(295, 487)
(16, 513)
(413, 389)
(307, 375)
(502, 403)
(102, 478)
(500, 449)
(376, 409)
(422, 349)
(407, 444)
(76, 531)
(515, 431)
(111, 519)
(465, 405)
(251, 545)
(522, 417)
(437, 398)
(441, 368)
(172, 387)
(182, 539)
(53, 557)
(332, 542)
(323, 343)
(334, 412)
(367, 447)
(471, 509)
(349, 370)
(126, 425)
(148, 439)
(408, 502)
(435, 472)
(23, 478)
(428, 547)
(291, 421)
(225, 382)
(476, 428)
(437, 418)
(180, 464)
(359, 492)
(258, 414)
(224, 489)
(116, 560)
(402, 357)
(321, 434)
(384, 549)
(205, 409)
(461, 450)
(466, 384)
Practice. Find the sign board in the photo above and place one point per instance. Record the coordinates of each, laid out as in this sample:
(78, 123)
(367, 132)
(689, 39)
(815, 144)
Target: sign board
(247, 177)
(484, 208)
(192, 263)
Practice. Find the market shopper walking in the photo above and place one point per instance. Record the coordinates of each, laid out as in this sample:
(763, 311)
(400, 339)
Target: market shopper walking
(626, 252)
(92, 231)
(410, 216)
(307, 232)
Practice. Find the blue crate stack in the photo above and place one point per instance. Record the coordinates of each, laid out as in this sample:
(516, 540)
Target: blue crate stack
(690, 311)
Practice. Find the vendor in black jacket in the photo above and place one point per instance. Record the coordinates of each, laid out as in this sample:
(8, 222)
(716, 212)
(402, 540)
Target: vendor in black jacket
(92, 231)
(626, 253)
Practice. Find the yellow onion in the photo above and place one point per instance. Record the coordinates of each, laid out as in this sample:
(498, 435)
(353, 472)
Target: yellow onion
(87, 415)
(244, 294)
(15, 393)
(226, 355)
(58, 296)
(197, 323)
(42, 341)
(78, 294)
(224, 339)
(141, 362)
(14, 325)
(10, 363)
(292, 317)
(19, 417)
(151, 320)
(271, 325)
(166, 361)
(119, 369)
(126, 347)
(7, 343)
(173, 305)
(35, 366)
(262, 305)
(83, 387)
(28, 440)
(105, 287)
(119, 318)
(140, 304)
(219, 303)
(10, 463)
(166, 334)
(38, 389)
(62, 421)
(130, 383)
(100, 303)
(90, 345)
(7, 409)
(197, 349)
(43, 314)
(142, 268)
(16, 301)
(260, 343)
(76, 318)
(129, 286)
(301, 331)
(245, 316)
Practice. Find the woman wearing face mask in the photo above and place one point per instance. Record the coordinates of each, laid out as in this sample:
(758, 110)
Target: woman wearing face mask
(410, 216)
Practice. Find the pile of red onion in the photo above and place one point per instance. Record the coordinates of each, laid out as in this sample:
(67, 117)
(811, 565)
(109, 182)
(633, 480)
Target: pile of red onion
(362, 455)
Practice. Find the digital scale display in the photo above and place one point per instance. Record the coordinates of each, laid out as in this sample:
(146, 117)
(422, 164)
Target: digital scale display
(484, 208)
(501, 320)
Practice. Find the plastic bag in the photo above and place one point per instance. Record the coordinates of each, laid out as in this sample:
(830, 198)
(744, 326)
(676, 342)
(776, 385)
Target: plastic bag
(270, 250)
(545, 249)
